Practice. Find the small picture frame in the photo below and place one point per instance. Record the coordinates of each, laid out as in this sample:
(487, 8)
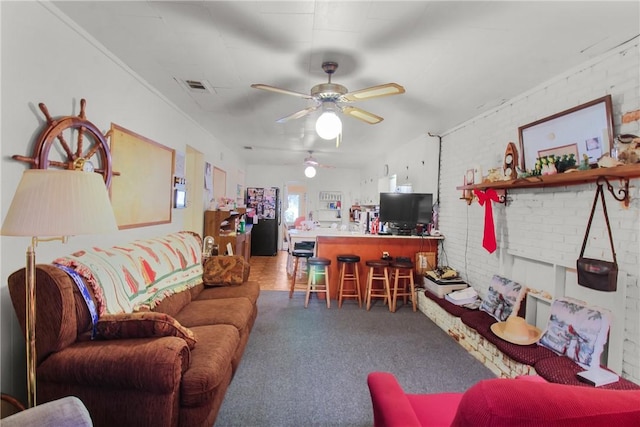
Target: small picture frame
(179, 198)
(470, 177)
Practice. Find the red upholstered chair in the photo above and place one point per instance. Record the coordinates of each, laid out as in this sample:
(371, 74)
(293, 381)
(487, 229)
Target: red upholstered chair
(524, 401)
(392, 407)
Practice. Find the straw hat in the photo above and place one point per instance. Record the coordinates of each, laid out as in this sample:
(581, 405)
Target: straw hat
(516, 331)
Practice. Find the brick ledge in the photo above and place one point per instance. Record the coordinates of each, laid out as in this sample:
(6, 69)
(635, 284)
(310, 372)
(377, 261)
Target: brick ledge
(487, 353)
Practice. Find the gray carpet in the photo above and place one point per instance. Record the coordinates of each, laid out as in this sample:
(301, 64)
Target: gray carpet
(308, 367)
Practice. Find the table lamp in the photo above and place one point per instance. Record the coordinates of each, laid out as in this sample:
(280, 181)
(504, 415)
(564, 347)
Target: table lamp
(49, 205)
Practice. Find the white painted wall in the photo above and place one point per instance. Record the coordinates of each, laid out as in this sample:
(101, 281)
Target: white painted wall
(327, 179)
(414, 162)
(46, 59)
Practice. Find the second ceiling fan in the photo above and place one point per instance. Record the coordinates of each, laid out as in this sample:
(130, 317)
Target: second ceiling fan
(331, 97)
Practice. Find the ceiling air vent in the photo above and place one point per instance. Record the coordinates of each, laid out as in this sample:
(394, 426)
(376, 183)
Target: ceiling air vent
(195, 85)
(198, 86)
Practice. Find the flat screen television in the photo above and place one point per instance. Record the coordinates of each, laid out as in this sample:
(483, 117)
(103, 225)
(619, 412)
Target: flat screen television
(404, 210)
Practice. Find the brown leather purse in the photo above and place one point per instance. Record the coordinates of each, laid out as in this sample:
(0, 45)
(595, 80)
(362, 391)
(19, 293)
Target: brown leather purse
(594, 273)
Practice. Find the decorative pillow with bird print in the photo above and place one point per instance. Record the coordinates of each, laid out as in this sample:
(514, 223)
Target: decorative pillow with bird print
(577, 331)
(504, 298)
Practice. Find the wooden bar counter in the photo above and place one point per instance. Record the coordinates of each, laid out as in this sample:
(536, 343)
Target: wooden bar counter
(368, 247)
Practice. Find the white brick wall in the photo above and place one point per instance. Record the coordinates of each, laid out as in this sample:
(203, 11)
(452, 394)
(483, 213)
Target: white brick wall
(547, 225)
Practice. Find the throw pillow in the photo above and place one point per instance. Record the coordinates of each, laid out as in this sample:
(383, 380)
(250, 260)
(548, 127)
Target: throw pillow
(143, 325)
(225, 270)
(504, 298)
(577, 331)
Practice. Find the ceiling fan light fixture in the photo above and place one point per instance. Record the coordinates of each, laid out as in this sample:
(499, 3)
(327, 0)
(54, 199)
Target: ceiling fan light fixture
(328, 125)
(309, 171)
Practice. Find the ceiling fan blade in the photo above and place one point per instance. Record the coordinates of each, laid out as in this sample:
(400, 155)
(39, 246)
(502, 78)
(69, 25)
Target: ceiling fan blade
(361, 114)
(282, 91)
(373, 92)
(297, 114)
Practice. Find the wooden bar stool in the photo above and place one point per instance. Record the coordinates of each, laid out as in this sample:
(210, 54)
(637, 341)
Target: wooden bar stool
(297, 254)
(378, 271)
(402, 271)
(318, 267)
(349, 262)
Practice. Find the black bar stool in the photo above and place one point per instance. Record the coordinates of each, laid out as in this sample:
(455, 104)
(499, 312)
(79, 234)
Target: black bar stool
(349, 262)
(402, 271)
(297, 254)
(318, 267)
(378, 271)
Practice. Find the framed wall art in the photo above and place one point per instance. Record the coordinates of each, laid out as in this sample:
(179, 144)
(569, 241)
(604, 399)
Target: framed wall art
(142, 194)
(583, 130)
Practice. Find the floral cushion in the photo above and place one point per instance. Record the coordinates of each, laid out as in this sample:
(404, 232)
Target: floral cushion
(504, 297)
(143, 325)
(225, 271)
(577, 331)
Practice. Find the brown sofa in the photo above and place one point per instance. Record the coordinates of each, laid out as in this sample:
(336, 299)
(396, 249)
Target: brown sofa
(146, 380)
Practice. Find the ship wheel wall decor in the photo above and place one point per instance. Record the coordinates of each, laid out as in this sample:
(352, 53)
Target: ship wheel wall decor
(88, 150)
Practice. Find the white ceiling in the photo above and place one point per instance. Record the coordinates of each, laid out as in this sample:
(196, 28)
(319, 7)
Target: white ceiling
(455, 59)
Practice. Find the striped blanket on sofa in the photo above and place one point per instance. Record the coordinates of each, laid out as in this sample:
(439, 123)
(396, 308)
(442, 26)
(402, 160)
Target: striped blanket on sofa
(138, 275)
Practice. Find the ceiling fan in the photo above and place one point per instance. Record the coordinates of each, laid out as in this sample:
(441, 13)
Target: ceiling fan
(331, 96)
(310, 164)
(311, 161)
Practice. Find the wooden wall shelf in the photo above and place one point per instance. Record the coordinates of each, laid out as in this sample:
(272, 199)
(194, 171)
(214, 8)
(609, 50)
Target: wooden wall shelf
(624, 173)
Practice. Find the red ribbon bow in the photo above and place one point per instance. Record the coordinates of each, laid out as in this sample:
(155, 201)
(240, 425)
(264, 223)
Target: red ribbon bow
(485, 198)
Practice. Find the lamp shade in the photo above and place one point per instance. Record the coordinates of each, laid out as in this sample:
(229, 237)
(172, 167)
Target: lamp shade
(328, 125)
(310, 172)
(50, 202)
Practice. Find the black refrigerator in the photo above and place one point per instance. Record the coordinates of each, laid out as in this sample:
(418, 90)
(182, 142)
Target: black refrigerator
(263, 211)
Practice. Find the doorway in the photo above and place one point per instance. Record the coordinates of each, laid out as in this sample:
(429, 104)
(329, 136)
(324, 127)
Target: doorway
(295, 205)
(193, 214)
